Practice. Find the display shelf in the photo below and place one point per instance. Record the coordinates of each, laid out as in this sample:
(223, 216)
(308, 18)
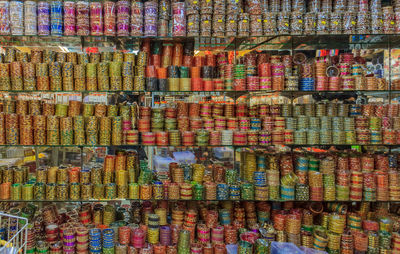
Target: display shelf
(197, 200)
(62, 91)
(232, 94)
(282, 92)
(208, 146)
(271, 41)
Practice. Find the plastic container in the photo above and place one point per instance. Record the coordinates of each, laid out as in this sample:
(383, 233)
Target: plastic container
(311, 251)
(184, 157)
(284, 248)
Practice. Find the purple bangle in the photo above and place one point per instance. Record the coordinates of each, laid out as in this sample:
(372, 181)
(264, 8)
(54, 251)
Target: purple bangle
(69, 236)
(69, 244)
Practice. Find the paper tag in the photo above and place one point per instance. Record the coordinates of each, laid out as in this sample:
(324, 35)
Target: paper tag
(232, 21)
(164, 9)
(219, 20)
(194, 2)
(208, 1)
(323, 22)
(392, 22)
(353, 22)
(206, 22)
(287, 24)
(190, 24)
(335, 22)
(265, 20)
(258, 20)
(300, 21)
(245, 21)
(381, 21)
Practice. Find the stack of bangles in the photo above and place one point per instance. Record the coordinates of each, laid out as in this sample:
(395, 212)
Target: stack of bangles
(209, 124)
(263, 176)
(215, 227)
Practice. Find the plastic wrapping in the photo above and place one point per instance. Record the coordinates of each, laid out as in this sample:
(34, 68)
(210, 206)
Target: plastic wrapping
(244, 25)
(219, 7)
(349, 23)
(326, 5)
(192, 7)
(206, 7)
(254, 7)
(233, 6)
(388, 20)
(336, 23)
(178, 19)
(352, 5)
(256, 25)
(136, 18)
(193, 25)
(5, 18)
(56, 11)
(96, 17)
(377, 23)
(299, 6)
(363, 6)
(30, 11)
(286, 6)
(296, 25)
(269, 23)
(123, 18)
(376, 6)
(205, 25)
(314, 6)
(323, 23)
(69, 18)
(16, 17)
(363, 23)
(163, 84)
(82, 18)
(151, 84)
(283, 23)
(165, 9)
(231, 25)
(283, 248)
(43, 18)
(218, 25)
(150, 18)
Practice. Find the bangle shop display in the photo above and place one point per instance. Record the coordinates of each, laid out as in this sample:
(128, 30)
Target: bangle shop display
(210, 228)
(216, 18)
(173, 67)
(199, 127)
(198, 124)
(333, 176)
